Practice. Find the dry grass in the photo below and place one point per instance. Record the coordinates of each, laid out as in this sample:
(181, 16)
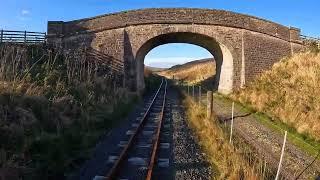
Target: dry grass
(192, 72)
(51, 99)
(222, 156)
(289, 92)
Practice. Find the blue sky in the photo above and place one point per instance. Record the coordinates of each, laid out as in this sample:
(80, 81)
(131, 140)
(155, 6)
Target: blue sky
(33, 15)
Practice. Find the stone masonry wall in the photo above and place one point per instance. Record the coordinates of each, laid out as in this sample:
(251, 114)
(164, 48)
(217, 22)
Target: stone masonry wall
(261, 52)
(255, 44)
(177, 16)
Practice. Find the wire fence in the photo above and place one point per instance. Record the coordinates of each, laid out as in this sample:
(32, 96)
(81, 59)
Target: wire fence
(198, 94)
(22, 37)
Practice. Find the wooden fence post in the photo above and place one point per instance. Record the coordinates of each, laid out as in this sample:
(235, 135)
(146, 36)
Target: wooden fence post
(209, 104)
(124, 81)
(1, 36)
(193, 91)
(199, 95)
(25, 37)
(188, 89)
(45, 38)
(231, 128)
(282, 153)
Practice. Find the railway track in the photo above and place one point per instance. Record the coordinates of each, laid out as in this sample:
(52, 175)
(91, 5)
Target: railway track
(144, 151)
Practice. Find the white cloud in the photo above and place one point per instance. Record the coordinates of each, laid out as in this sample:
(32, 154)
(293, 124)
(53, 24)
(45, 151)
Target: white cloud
(25, 12)
(24, 15)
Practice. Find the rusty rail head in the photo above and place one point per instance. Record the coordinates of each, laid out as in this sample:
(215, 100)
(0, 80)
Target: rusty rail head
(157, 137)
(116, 167)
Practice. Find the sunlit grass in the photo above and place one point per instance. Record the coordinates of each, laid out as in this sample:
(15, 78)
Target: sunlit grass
(304, 142)
(225, 160)
(289, 93)
(286, 98)
(54, 107)
(192, 72)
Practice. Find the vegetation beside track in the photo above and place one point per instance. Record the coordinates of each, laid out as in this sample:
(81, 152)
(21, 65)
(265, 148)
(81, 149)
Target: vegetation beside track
(54, 107)
(227, 162)
(287, 98)
(152, 80)
(305, 143)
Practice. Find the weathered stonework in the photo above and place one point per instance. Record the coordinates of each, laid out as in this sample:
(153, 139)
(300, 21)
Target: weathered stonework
(243, 46)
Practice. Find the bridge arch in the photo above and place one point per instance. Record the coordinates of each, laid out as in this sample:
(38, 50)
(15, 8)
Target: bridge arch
(222, 55)
(245, 46)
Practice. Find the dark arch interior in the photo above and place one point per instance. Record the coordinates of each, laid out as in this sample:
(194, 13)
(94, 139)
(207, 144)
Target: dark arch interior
(180, 37)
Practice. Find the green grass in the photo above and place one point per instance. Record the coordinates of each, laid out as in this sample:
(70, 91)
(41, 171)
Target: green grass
(152, 82)
(303, 141)
(55, 156)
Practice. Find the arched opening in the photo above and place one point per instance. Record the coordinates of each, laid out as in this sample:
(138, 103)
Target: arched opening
(186, 63)
(221, 54)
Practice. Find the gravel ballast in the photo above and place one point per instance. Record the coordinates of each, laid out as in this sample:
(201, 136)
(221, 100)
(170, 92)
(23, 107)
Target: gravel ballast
(188, 159)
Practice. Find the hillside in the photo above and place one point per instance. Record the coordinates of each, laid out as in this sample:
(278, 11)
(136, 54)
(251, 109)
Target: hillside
(192, 72)
(290, 93)
(154, 69)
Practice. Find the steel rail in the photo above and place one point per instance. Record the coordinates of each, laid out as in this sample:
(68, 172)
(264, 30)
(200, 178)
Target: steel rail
(112, 174)
(157, 137)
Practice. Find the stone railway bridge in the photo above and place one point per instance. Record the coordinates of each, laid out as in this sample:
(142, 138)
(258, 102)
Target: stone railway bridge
(243, 46)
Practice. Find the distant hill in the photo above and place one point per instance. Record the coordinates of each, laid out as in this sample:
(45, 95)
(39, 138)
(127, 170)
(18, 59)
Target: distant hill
(192, 72)
(154, 69)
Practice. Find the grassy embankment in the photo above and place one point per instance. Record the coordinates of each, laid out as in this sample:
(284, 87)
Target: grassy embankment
(288, 98)
(228, 161)
(53, 107)
(191, 72)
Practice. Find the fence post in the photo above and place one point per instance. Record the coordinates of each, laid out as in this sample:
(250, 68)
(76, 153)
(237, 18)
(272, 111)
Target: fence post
(209, 104)
(193, 91)
(1, 36)
(199, 95)
(231, 128)
(45, 38)
(281, 157)
(188, 89)
(25, 37)
(124, 81)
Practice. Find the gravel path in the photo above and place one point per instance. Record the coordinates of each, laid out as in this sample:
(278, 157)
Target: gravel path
(267, 142)
(188, 160)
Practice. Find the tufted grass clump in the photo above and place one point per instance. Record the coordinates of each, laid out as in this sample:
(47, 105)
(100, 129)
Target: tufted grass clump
(289, 93)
